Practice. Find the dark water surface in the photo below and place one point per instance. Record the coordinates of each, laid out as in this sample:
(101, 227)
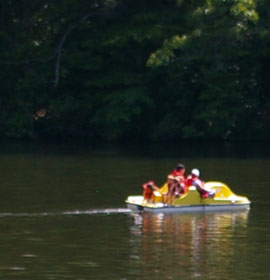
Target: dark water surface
(62, 214)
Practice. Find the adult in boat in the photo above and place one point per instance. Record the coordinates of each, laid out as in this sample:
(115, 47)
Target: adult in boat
(179, 170)
(194, 180)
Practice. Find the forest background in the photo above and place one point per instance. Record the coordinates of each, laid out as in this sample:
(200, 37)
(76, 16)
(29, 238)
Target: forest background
(122, 70)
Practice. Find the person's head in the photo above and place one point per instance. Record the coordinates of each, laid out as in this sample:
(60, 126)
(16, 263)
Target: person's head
(170, 179)
(180, 168)
(195, 172)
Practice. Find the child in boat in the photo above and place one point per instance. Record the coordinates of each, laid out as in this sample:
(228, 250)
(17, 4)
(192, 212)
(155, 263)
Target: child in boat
(194, 180)
(179, 174)
(176, 187)
(148, 190)
(171, 188)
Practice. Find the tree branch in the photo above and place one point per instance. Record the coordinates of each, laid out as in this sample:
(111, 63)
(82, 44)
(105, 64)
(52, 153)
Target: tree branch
(62, 41)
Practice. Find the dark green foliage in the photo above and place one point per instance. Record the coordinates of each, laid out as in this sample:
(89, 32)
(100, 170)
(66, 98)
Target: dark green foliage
(121, 70)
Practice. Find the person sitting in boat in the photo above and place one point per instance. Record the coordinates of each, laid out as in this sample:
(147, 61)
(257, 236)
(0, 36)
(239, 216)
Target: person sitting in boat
(179, 173)
(179, 170)
(176, 187)
(194, 180)
(171, 188)
(148, 190)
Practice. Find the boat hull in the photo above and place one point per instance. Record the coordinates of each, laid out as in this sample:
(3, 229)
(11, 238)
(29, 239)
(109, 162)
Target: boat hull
(189, 209)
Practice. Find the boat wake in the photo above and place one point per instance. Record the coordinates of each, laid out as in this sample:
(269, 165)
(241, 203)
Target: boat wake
(99, 211)
(108, 211)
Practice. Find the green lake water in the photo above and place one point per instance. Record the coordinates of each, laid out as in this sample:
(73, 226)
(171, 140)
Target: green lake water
(62, 214)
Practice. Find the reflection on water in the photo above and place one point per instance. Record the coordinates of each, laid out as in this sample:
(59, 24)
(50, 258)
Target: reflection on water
(44, 236)
(193, 244)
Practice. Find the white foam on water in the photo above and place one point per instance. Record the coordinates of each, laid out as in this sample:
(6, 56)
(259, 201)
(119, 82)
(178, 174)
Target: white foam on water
(98, 211)
(3, 215)
(108, 211)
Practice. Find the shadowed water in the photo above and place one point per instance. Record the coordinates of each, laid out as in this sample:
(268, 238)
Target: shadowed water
(62, 215)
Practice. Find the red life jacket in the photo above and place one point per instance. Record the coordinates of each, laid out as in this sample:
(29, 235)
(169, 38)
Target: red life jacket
(189, 181)
(181, 180)
(198, 183)
(148, 190)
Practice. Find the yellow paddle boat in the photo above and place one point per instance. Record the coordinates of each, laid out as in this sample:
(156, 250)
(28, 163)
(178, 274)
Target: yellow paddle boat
(222, 200)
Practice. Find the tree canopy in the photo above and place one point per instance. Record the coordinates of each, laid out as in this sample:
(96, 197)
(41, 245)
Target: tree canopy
(131, 70)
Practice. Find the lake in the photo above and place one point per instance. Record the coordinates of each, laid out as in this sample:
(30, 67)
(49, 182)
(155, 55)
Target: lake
(62, 213)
